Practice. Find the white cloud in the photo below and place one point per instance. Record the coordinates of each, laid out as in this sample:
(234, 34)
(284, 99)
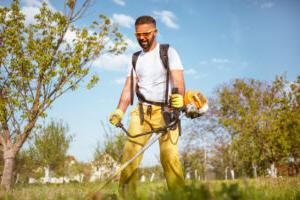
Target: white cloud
(133, 46)
(70, 36)
(113, 62)
(108, 61)
(167, 18)
(29, 13)
(119, 2)
(203, 62)
(193, 73)
(264, 4)
(33, 3)
(123, 20)
(267, 4)
(220, 60)
(31, 8)
(190, 71)
(223, 63)
(37, 3)
(200, 76)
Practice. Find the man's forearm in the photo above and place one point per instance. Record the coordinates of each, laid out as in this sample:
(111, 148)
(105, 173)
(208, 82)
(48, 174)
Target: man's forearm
(178, 81)
(181, 88)
(124, 102)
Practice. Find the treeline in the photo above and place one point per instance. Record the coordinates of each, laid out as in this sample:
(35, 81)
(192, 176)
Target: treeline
(252, 129)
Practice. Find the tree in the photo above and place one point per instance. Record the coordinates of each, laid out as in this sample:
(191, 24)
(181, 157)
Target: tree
(79, 168)
(38, 65)
(194, 162)
(150, 170)
(250, 125)
(255, 114)
(223, 157)
(50, 145)
(26, 168)
(289, 122)
(198, 139)
(113, 144)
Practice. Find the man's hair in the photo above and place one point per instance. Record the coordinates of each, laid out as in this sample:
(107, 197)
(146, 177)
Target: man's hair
(145, 20)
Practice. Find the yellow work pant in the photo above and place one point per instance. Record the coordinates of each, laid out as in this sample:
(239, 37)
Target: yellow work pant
(168, 151)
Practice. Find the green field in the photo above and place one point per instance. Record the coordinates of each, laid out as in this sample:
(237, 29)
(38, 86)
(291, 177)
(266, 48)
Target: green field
(252, 189)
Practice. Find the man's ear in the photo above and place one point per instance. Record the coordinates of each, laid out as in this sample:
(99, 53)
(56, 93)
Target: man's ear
(155, 32)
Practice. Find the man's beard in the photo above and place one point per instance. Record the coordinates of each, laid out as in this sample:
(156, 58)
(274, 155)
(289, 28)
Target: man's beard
(146, 43)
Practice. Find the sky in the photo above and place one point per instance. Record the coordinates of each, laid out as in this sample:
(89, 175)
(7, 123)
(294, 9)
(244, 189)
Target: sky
(217, 41)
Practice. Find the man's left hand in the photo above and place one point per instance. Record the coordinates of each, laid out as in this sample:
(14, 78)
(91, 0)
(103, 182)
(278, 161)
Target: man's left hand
(176, 100)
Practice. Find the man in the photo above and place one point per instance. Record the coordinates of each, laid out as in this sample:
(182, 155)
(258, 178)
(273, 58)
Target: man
(149, 77)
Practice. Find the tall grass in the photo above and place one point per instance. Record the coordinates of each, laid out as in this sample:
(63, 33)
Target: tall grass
(252, 189)
(258, 189)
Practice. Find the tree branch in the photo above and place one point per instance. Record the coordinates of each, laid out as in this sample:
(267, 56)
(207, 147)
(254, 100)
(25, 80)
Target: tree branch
(80, 12)
(34, 111)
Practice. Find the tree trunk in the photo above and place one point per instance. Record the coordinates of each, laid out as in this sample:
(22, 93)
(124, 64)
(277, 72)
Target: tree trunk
(9, 156)
(254, 167)
(273, 170)
(47, 177)
(226, 173)
(232, 174)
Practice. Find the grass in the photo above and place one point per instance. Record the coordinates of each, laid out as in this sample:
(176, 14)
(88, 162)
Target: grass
(252, 189)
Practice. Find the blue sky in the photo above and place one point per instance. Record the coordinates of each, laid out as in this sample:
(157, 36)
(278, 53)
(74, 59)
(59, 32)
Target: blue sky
(216, 40)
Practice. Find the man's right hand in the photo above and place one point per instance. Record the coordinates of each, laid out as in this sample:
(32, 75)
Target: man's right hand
(116, 116)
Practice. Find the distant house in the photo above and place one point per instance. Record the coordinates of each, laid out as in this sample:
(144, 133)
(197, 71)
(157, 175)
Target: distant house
(48, 177)
(70, 160)
(102, 167)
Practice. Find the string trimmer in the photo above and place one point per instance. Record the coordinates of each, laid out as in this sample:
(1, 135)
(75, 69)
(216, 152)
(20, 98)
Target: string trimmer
(195, 106)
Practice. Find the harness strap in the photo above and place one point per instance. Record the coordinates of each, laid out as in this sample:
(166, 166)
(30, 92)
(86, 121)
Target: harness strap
(134, 60)
(163, 52)
(141, 113)
(142, 99)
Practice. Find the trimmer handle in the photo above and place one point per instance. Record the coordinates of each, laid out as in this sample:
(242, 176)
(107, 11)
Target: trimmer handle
(171, 114)
(175, 90)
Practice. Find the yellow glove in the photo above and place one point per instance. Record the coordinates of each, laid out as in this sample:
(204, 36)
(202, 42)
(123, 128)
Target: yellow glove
(176, 100)
(116, 116)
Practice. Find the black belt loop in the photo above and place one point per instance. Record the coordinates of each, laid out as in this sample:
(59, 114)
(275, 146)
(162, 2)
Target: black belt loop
(141, 111)
(149, 110)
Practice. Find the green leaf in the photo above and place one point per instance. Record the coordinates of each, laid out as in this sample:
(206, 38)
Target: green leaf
(93, 81)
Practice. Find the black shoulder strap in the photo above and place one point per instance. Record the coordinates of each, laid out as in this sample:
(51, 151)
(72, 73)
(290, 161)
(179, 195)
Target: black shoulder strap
(135, 56)
(134, 60)
(163, 52)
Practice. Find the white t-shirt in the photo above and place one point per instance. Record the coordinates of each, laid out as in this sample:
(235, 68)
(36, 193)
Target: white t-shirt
(151, 74)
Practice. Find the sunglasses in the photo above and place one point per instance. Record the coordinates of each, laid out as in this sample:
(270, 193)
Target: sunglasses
(145, 34)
